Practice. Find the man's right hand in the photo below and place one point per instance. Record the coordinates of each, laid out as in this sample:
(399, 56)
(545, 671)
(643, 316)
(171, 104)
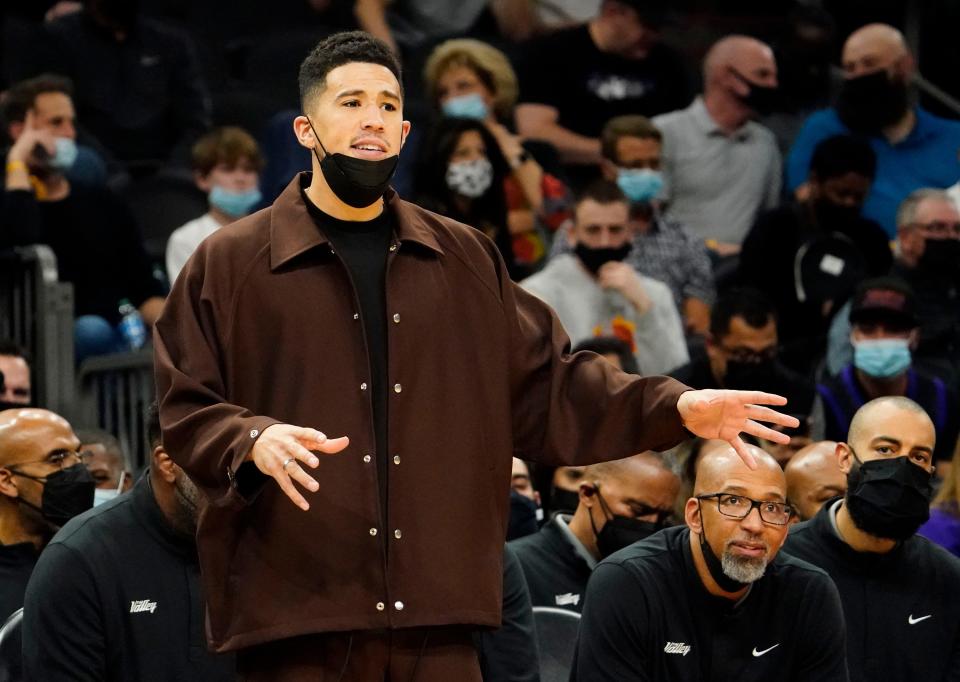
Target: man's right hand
(281, 444)
(30, 137)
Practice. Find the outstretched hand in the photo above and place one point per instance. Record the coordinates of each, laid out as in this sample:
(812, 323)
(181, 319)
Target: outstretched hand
(726, 414)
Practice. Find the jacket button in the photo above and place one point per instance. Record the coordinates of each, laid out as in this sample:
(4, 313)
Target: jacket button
(397, 388)
(356, 316)
(396, 318)
(396, 459)
(254, 433)
(397, 534)
(366, 459)
(398, 605)
(393, 247)
(363, 386)
(381, 606)
(373, 531)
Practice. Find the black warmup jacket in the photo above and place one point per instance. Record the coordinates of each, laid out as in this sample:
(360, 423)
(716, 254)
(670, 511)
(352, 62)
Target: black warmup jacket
(115, 596)
(902, 609)
(647, 617)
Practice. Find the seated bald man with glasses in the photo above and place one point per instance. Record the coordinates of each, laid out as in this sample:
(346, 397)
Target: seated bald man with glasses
(712, 600)
(43, 484)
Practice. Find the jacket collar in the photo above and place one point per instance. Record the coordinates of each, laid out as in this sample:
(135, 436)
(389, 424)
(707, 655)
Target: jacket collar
(293, 231)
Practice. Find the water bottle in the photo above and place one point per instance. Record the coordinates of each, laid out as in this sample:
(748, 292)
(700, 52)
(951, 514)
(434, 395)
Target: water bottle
(132, 328)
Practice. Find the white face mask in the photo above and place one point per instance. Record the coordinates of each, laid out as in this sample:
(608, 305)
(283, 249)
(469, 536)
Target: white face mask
(101, 495)
(470, 178)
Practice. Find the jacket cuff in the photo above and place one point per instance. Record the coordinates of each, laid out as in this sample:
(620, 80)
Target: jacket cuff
(243, 475)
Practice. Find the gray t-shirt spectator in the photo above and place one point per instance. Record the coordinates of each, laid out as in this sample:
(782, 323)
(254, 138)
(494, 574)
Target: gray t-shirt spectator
(717, 183)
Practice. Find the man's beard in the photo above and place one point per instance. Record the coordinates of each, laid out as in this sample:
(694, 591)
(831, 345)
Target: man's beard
(744, 569)
(186, 497)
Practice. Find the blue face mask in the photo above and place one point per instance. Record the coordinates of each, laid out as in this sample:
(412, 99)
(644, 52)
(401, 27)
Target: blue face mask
(641, 185)
(65, 154)
(466, 106)
(234, 204)
(882, 358)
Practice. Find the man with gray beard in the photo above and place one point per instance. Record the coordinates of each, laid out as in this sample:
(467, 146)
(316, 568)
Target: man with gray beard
(712, 600)
(116, 596)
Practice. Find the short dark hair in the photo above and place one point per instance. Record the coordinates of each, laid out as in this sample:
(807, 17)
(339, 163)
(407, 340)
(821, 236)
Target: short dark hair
(602, 192)
(153, 425)
(339, 49)
(13, 349)
(842, 154)
(611, 345)
(750, 304)
(631, 125)
(22, 96)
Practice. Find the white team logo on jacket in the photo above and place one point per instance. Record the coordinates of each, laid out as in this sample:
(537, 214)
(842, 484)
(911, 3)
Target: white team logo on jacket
(681, 648)
(568, 599)
(141, 605)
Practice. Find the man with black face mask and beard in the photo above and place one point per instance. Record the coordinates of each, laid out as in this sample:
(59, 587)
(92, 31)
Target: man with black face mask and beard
(621, 502)
(899, 590)
(595, 293)
(914, 148)
(43, 484)
(713, 600)
(116, 595)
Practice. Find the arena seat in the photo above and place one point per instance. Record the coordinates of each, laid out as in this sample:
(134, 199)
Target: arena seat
(11, 658)
(556, 638)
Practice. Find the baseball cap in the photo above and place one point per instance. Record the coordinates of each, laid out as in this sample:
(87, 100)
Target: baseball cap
(887, 299)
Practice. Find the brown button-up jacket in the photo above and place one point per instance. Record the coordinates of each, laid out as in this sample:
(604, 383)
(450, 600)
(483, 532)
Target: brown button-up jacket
(263, 326)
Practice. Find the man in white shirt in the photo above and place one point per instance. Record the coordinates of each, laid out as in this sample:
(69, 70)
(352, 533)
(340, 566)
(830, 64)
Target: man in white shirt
(595, 293)
(226, 167)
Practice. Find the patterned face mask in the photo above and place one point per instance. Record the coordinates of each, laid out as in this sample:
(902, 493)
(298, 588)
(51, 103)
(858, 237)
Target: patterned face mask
(470, 178)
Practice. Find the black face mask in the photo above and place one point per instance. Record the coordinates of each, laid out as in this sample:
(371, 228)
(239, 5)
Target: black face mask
(763, 99)
(868, 104)
(941, 259)
(714, 565)
(356, 182)
(750, 376)
(619, 531)
(888, 498)
(594, 259)
(564, 500)
(832, 217)
(523, 516)
(66, 493)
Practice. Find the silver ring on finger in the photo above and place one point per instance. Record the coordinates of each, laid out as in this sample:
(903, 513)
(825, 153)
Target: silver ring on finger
(287, 461)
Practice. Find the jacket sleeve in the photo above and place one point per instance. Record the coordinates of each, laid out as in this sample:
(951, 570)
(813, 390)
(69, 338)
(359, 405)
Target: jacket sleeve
(203, 433)
(63, 637)
(822, 656)
(572, 410)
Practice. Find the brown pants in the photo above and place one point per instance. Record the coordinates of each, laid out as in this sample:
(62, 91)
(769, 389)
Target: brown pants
(441, 654)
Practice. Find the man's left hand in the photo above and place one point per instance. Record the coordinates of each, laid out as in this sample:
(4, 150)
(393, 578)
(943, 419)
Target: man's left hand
(726, 414)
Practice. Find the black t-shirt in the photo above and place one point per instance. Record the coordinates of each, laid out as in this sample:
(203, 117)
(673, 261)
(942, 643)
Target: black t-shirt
(16, 565)
(902, 609)
(96, 241)
(363, 247)
(116, 596)
(556, 574)
(566, 70)
(647, 616)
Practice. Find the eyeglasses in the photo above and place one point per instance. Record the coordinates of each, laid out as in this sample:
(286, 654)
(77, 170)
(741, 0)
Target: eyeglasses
(739, 507)
(747, 355)
(62, 459)
(940, 228)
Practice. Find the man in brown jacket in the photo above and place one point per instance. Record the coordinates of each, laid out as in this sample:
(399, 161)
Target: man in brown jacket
(344, 308)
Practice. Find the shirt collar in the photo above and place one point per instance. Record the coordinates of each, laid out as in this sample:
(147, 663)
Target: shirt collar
(293, 231)
(578, 548)
(705, 123)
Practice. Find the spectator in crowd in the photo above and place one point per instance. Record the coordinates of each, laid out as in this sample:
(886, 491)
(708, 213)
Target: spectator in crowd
(116, 594)
(943, 527)
(899, 591)
(577, 79)
(723, 168)
(565, 488)
(615, 350)
(521, 482)
(139, 89)
(470, 79)
(525, 511)
(884, 333)
(15, 387)
(811, 254)
(813, 477)
(595, 293)
(461, 175)
(914, 148)
(689, 602)
(107, 464)
(408, 25)
(226, 167)
(91, 231)
(519, 21)
(927, 253)
(500, 379)
(43, 484)
(742, 351)
(620, 503)
(631, 148)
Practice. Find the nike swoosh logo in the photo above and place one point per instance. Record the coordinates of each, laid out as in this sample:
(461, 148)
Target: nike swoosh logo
(914, 621)
(757, 654)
